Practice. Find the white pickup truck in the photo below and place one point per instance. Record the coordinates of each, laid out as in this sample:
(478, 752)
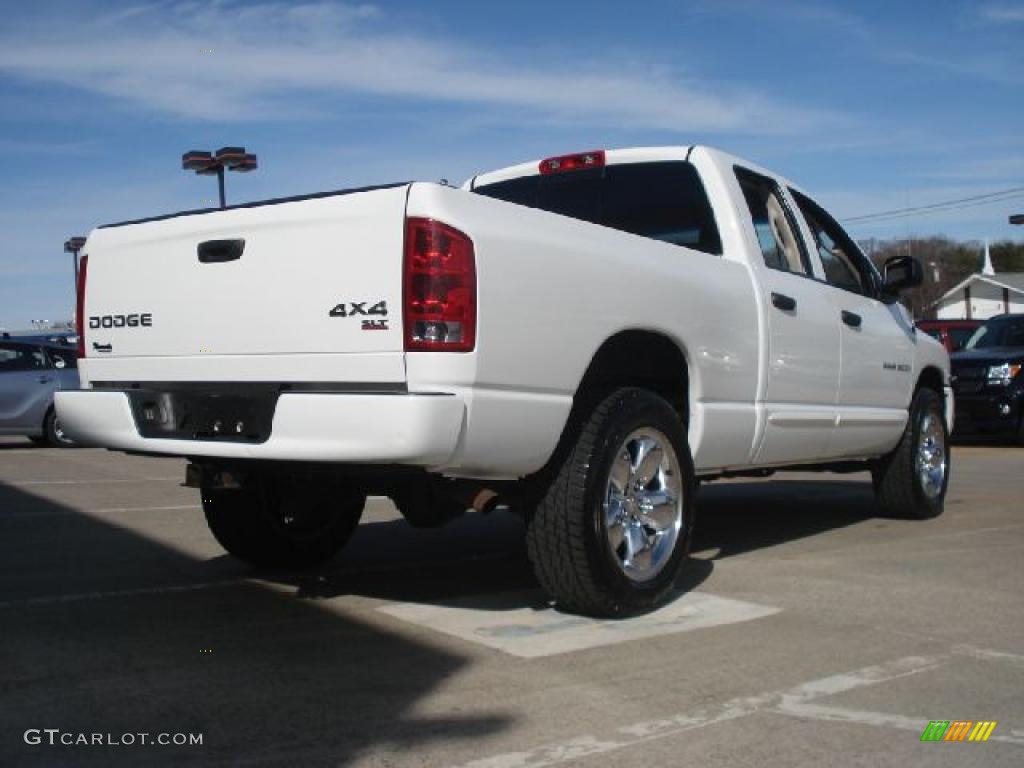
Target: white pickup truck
(582, 338)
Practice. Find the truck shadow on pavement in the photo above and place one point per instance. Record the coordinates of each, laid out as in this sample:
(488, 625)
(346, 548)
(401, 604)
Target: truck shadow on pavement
(739, 517)
(480, 562)
(108, 631)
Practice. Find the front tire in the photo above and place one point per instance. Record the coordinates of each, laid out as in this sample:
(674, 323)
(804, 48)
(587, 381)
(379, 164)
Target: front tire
(283, 522)
(911, 481)
(612, 529)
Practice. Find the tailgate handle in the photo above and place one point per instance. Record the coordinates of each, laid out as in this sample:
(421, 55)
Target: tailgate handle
(213, 251)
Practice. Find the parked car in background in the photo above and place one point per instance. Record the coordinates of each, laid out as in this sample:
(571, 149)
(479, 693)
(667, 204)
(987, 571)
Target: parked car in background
(30, 373)
(952, 334)
(987, 381)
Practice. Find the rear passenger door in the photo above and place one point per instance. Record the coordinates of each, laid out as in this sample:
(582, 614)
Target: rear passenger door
(803, 336)
(876, 342)
(26, 387)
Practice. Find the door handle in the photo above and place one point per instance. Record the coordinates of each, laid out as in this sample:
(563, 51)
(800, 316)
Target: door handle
(45, 379)
(783, 302)
(216, 251)
(852, 319)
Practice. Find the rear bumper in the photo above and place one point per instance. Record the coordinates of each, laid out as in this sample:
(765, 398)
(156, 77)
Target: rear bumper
(411, 429)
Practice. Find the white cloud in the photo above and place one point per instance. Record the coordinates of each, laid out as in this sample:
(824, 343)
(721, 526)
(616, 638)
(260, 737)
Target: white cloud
(1003, 13)
(262, 56)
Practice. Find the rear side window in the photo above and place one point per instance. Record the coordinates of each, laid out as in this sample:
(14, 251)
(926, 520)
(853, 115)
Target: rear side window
(20, 357)
(780, 246)
(663, 201)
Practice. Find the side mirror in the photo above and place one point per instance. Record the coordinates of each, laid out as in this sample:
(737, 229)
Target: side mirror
(901, 273)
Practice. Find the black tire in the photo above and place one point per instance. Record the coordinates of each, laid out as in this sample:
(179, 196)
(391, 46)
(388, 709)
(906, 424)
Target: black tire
(568, 533)
(897, 478)
(53, 435)
(283, 522)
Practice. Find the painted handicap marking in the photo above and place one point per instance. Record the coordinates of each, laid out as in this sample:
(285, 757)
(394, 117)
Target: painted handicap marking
(520, 624)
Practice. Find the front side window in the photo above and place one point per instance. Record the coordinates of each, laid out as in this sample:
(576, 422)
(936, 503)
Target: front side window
(845, 266)
(959, 336)
(63, 358)
(773, 224)
(662, 201)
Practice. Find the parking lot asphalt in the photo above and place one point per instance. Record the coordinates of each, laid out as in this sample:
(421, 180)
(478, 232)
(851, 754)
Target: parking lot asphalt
(813, 633)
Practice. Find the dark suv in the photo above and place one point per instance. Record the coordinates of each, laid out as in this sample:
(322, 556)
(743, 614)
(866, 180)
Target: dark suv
(988, 381)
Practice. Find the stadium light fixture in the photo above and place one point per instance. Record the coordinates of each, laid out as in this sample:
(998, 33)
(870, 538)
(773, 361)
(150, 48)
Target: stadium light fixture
(215, 163)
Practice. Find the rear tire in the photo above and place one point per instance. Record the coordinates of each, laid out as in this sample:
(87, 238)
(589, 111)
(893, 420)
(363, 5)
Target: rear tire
(53, 433)
(283, 523)
(612, 528)
(911, 481)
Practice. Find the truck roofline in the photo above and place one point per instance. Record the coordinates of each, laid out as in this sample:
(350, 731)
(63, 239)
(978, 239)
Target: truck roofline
(632, 155)
(612, 157)
(257, 204)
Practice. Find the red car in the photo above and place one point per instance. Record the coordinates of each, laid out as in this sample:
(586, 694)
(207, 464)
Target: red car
(952, 333)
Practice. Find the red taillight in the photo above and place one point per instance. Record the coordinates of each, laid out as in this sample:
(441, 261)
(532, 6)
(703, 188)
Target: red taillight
(83, 267)
(439, 288)
(575, 162)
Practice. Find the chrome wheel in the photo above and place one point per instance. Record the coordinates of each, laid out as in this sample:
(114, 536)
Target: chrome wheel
(931, 456)
(643, 504)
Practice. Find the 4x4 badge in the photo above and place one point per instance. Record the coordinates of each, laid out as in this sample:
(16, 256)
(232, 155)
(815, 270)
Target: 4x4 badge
(354, 308)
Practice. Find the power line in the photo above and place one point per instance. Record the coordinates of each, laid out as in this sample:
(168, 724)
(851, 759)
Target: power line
(947, 205)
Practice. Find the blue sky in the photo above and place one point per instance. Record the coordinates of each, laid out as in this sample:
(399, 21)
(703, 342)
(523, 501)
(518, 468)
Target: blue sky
(871, 106)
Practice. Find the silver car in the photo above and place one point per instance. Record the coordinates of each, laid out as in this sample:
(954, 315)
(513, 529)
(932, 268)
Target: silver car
(30, 372)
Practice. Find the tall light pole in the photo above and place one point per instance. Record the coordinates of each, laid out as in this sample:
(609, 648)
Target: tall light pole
(73, 245)
(214, 163)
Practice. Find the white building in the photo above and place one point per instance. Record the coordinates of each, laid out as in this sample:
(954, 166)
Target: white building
(983, 295)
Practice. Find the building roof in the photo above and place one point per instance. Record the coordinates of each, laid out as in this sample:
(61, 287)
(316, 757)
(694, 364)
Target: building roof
(1013, 281)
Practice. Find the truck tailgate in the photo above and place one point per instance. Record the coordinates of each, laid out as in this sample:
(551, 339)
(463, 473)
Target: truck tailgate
(315, 275)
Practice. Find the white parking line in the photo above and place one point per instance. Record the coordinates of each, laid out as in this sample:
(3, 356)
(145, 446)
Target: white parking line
(793, 701)
(97, 481)
(76, 512)
(84, 596)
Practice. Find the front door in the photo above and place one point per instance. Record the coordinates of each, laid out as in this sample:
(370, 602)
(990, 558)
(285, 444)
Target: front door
(802, 371)
(876, 338)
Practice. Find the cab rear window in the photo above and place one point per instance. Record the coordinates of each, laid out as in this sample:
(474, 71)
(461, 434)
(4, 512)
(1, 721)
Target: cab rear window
(663, 201)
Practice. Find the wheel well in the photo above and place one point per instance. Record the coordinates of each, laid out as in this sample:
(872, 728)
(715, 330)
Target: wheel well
(932, 378)
(643, 359)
